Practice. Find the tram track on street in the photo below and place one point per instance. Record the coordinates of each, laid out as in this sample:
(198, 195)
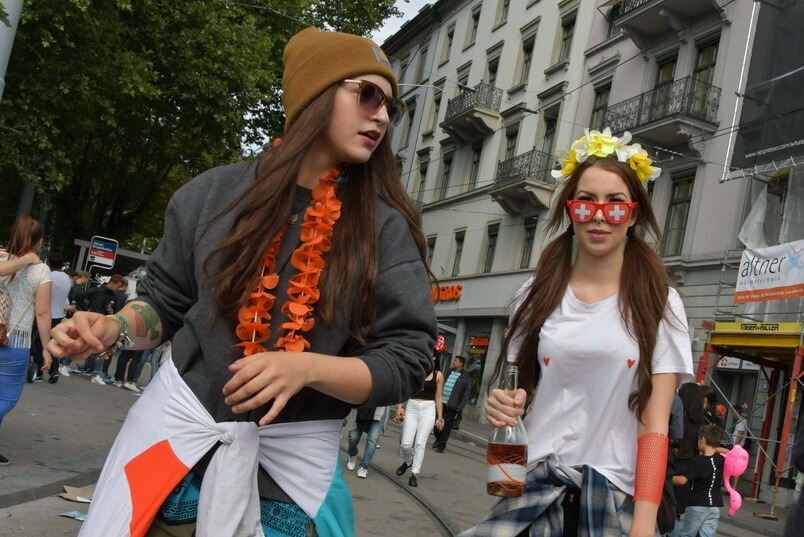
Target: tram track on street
(443, 524)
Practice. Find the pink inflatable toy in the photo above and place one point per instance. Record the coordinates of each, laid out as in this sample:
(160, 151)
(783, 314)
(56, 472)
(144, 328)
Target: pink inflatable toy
(736, 462)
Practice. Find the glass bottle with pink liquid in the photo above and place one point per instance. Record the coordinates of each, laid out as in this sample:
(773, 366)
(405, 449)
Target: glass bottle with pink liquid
(507, 451)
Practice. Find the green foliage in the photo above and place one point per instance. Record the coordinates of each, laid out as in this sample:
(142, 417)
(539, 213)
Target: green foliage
(111, 105)
(4, 16)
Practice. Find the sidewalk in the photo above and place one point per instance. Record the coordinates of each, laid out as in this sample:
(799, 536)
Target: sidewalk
(59, 434)
(742, 524)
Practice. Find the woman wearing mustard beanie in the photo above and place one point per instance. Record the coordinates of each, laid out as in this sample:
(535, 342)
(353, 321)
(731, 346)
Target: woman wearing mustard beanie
(293, 288)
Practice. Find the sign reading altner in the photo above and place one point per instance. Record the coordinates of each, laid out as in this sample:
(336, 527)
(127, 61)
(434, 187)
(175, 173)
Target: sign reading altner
(771, 273)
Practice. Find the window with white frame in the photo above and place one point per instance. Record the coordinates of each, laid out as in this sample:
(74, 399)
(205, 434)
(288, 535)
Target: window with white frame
(511, 136)
(462, 75)
(502, 12)
(436, 109)
(550, 117)
(446, 171)
(422, 180)
(422, 63)
(675, 224)
(567, 31)
(612, 29)
(492, 233)
(407, 130)
(599, 106)
(491, 70)
(431, 243)
(456, 262)
(448, 43)
(474, 22)
(527, 59)
(474, 167)
(527, 243)
(404, 67)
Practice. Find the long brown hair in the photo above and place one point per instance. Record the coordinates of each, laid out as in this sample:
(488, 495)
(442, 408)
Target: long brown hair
(25, 234)
(643, 286)
(352, 262)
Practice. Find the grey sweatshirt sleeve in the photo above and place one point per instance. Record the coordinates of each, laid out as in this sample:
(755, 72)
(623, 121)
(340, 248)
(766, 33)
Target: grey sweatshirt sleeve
(169, 286)
(400, 341)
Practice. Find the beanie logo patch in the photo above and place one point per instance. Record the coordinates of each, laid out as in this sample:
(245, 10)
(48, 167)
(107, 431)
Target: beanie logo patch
(380, 56)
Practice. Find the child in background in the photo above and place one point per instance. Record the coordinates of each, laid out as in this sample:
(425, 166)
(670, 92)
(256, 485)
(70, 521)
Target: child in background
(706, 474)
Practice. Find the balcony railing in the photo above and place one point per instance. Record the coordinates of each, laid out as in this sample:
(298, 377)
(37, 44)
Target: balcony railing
(630, 5)
(688, 97)
(534, 165)
(484, 95)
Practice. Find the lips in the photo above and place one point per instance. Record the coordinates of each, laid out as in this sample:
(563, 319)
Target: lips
(598, 232)
(373, 135)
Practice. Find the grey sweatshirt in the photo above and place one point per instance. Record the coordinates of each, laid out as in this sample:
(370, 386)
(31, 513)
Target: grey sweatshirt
(399, 341)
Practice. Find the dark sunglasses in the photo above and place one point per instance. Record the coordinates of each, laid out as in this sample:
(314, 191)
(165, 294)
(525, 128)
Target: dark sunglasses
(371, 97)
(615, 212)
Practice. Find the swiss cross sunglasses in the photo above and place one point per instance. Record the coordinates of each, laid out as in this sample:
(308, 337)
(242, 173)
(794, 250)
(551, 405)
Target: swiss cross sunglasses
(615, 212)
(371, 97)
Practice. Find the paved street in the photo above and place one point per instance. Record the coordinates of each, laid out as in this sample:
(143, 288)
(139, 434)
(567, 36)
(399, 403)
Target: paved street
(59, 435)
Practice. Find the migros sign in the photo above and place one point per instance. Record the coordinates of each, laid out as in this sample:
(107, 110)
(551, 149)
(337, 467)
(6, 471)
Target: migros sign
(447, 293)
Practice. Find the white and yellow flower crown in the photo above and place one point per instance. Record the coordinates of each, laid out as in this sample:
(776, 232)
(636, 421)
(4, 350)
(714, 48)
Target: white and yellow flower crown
(603, 144)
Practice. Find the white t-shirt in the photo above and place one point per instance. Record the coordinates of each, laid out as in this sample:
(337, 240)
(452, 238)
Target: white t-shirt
(740, 427)
(579, 414)
(22, 291)
(60, 287)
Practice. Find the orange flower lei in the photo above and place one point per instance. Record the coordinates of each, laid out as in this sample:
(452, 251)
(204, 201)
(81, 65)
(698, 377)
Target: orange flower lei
(254, 316)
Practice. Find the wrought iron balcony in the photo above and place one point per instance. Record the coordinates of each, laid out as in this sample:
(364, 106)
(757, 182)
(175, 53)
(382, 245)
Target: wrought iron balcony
(473, 114)
(667, 113)
(523, 185)
(644, 21)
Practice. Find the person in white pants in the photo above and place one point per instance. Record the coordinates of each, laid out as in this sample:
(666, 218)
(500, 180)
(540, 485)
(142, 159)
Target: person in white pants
(420, 413)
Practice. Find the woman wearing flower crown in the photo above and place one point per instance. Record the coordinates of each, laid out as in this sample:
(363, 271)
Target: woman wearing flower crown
(292, 288)
(601, 342)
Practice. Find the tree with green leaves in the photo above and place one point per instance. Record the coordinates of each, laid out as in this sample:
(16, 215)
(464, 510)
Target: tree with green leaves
(111, 105)
(4, 15)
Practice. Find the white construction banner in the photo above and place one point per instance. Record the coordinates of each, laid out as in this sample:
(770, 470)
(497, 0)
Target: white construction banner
(771, 273)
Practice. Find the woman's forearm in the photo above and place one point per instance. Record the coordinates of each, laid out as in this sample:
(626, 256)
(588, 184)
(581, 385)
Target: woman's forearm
(14, 265)
(43, 327)
(655, 419)
(347, 379)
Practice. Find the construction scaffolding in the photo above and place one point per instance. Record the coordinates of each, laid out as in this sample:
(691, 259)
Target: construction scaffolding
(776, 347)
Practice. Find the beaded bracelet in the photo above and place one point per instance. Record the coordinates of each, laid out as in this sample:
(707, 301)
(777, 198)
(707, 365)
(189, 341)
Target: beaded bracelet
(122, 340)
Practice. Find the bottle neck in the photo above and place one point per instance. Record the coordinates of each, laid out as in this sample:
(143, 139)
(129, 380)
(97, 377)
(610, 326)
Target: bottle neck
(511, 378)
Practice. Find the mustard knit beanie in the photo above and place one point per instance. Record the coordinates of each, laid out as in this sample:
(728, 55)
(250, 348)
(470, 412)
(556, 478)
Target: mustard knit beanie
(315, 60)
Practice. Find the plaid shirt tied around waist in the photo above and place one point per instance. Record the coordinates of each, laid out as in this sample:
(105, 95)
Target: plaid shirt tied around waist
(605, 511)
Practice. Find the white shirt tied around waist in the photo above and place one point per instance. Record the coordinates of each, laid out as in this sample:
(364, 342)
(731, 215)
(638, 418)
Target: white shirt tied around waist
(579, 414)
(167, 431)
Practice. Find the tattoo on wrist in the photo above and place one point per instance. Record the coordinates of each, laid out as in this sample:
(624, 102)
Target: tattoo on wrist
(146, 321)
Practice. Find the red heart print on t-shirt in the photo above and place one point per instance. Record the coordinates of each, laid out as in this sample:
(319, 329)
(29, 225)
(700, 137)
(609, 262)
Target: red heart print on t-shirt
(546, 360)
(630, 363)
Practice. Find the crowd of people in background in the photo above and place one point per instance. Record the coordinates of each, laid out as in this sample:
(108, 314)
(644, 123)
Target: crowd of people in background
(41, 296)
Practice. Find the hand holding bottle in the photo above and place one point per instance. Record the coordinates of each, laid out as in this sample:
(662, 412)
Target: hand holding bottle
(507, 449)
(504, 407)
